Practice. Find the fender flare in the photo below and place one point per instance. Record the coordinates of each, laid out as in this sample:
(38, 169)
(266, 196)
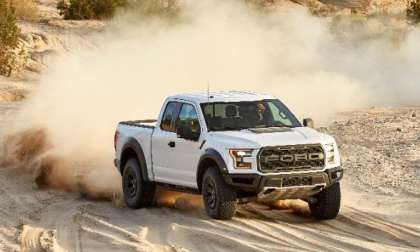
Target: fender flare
(216, 157)
(134, 145)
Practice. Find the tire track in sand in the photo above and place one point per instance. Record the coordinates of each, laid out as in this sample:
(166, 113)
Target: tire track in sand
(352, 230)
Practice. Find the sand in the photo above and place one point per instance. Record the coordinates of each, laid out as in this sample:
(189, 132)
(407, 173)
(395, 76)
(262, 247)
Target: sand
(380, 207)
(34, 220)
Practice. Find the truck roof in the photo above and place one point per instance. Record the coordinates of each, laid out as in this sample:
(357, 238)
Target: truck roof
(222, 96)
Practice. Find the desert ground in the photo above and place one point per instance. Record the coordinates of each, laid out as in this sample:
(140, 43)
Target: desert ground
(380, 148)
(380, 206)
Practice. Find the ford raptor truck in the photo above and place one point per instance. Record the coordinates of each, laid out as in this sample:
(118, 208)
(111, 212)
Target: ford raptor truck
(229, 147)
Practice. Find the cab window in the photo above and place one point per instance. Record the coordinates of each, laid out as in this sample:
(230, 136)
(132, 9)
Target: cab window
(169, 116)
(188, 115)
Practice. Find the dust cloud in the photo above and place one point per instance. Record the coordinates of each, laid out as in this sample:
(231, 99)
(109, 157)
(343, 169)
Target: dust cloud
(317, 66)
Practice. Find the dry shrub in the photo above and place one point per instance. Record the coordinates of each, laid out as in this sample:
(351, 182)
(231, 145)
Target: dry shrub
(89, 9)
(9, 34)
(413, 11)
(104, 9)
(26, 9)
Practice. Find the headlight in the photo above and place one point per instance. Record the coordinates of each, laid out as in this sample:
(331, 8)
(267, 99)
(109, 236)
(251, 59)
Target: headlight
(241, 158)
(329, 152)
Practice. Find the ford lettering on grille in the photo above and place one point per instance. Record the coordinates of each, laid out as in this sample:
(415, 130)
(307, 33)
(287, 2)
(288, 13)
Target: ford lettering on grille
(289, 158)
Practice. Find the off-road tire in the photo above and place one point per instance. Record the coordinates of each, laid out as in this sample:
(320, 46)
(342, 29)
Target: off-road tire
(219, 198)
(328, 203)
(137, 192)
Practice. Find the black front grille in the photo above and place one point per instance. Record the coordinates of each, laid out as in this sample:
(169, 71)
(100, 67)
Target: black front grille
(291, 158)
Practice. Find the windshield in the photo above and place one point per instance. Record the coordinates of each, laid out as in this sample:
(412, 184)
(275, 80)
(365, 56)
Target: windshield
(244, 115)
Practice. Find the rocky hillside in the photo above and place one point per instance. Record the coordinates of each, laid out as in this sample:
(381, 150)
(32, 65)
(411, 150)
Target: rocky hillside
(381, 149)
(40, 39)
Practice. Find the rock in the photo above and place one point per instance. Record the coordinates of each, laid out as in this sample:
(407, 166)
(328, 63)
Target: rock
(414, 114)
(399, 129)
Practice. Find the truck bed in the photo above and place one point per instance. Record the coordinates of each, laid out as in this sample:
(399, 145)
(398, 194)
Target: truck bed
(148, 123)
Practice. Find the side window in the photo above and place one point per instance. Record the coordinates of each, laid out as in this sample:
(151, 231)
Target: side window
(168, 117)
(188, 115)
(279, 116)
(219, 110)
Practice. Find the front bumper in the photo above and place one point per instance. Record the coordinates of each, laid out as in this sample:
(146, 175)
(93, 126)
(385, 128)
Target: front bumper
(305, 181)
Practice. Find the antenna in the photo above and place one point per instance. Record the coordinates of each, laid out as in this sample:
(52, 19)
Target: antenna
(208, 99)
(208, 91)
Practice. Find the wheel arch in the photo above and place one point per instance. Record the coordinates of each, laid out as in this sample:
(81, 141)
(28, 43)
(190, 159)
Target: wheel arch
(210, 158)
(133, 149)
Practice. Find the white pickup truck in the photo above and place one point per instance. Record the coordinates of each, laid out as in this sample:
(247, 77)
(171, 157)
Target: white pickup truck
(229, 146)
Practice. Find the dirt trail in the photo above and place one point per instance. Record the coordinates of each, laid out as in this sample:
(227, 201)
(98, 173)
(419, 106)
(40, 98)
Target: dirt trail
(61, 222)
(380, 220)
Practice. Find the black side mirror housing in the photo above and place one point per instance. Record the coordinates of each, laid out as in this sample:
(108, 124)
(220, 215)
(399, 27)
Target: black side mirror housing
(185, 131)
(308, 122)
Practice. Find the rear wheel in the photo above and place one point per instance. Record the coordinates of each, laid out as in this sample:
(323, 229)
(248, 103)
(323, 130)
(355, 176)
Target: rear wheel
(137, 192)
(327, 203)
(219, 198)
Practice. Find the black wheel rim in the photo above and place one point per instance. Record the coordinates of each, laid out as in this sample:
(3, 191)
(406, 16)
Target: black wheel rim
(131, 185)
(211, 195)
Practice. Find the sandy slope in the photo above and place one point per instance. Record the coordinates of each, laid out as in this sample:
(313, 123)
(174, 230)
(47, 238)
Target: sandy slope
(377, 214)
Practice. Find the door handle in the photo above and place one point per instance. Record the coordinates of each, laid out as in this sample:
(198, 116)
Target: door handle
(171, 144)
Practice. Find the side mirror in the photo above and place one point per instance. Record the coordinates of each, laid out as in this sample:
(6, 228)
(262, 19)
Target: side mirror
(185, 131)
(308, 122)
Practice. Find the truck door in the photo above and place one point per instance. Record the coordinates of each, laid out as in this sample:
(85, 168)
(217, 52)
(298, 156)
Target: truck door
(163, 144)
(184, 165)
(175, 159)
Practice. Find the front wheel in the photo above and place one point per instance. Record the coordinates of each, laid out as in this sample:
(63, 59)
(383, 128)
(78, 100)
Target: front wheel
(219, 198)
(137, 192)
(327, 203)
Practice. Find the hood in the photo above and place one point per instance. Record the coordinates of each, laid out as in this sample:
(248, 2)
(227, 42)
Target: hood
(266, 137)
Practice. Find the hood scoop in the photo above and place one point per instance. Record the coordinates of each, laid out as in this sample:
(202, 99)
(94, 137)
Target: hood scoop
(270, 130)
